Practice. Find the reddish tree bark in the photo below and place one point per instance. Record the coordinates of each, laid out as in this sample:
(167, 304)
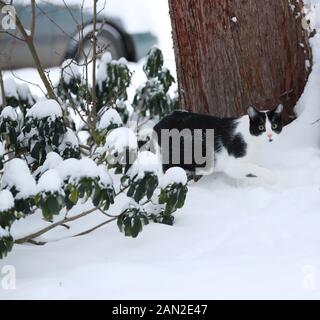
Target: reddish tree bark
(231, 54)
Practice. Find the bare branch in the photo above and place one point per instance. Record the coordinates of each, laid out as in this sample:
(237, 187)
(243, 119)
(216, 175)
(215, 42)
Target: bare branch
(95, 228)
(12, 35)
(26, 81)
(56, 24)
(53, 225)
(103, 7)
(71, 13)
(29, 41)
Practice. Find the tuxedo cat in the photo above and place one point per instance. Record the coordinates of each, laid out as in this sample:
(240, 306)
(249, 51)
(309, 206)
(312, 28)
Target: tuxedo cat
(237, 141)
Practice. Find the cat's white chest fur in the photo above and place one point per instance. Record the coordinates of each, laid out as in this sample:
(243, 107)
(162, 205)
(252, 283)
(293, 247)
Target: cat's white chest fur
(246, 166)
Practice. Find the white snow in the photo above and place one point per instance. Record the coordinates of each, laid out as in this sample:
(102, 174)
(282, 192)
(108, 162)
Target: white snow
(24, 92)
(174, 175)
(313, 12)
(105, 178)
(111, 116)
(55, 170)
(2, 151)
(102, 69)
(234, 19)
(10, 88)
(121, 138)
(50, 181)
(69, 140)
(16, 174)
(16, 90)
(106, 57)
(70, 70)
(74, 169)
(9, 113)
(53, 159)
(6, 201)
(147, 162)
(121, 61)
(229, 241)
(45, 108)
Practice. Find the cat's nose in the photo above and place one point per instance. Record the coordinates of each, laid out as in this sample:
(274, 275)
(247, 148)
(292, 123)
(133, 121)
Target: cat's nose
(270, 135)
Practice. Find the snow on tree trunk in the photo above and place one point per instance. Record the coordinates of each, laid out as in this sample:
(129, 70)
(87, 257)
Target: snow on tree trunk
(232, 54)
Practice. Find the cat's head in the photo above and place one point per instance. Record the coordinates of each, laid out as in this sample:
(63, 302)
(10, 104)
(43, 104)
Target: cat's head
(266, 124)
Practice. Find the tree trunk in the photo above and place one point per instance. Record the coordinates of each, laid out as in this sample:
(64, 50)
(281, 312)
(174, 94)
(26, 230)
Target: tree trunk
(231, 54)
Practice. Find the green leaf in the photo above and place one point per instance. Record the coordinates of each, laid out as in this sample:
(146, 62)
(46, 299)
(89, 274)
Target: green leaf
(182, 197)
(154, 63)
(97, 197)
(139, 192)
(136, 226)
(131, 222)
(6, 244)
(127, 226)
(51, 206)
(168, 220)
(120, 223)
(73, 197)
(7, 218)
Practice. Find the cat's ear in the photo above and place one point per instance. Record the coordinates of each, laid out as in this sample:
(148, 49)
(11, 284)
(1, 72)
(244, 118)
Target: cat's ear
(278, 109)
(252, 112)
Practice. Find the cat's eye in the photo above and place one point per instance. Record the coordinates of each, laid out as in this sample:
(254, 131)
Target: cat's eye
(261, 128)
(274, 126)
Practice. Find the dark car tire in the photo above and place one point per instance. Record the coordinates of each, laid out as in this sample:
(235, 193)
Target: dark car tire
(119, 44)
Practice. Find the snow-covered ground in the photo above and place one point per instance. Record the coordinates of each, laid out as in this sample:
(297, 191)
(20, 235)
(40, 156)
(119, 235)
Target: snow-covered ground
(229, 241)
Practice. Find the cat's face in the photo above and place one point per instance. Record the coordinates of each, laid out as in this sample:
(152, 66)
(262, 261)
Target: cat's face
(266, 125)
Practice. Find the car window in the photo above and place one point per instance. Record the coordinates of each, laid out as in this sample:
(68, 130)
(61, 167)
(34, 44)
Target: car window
(52, 19)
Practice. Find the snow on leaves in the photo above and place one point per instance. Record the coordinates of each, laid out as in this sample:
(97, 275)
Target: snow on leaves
(45, 168)
(152, 99)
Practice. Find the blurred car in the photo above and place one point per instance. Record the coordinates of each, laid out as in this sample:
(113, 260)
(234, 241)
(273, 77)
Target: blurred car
(64, 32)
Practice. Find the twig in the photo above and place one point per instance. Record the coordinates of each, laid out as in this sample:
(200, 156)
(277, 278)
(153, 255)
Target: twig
(71, 13)
(107, 214)
(85, 147)
(56, 24)
(121, 191)
(37, 243)
(11, 35)
(52, 226)
(17, 154)
(95, 228)
(29, 41)
(28, 82)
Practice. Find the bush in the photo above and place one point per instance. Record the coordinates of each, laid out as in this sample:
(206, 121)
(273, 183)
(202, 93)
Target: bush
(55, 155)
